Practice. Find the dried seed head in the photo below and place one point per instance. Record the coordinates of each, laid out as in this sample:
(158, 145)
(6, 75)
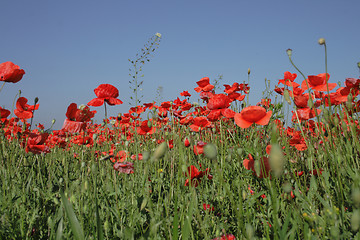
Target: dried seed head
(321, 41)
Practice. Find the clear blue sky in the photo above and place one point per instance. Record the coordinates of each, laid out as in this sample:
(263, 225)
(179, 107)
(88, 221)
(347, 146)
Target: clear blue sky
(68, 48)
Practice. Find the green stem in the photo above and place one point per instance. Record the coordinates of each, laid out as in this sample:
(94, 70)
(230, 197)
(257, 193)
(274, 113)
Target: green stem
(2, 86)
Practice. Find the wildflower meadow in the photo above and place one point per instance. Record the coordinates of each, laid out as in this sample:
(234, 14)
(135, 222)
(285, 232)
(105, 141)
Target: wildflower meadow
(222, 168)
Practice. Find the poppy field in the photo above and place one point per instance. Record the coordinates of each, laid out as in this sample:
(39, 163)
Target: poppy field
(284, 168)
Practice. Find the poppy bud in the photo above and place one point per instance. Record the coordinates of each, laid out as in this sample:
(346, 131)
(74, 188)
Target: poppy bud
(53, 121)
(321, 41)
(106, 226)
(186, 142)
(287, 187)
(289, 52)
(355, 220)
(356, 197)
(249, 231)
(149, 124)
(310, 103)
(95, 136)
(160, 150)
(248, 71)
(276, 160)
(145, 155)
(210, 151)
(36, 100)
(287, 96)
(358, 64)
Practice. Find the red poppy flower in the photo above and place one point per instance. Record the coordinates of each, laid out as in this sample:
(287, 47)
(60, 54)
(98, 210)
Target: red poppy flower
(196, 175)
(9, 72)
(35, 143)
(318, 82)
(252, 114)
(105, 93)
(199, 123)
(146, 128)
(24, 110)
(77, 118)
(124, 167)
(305, 113)
(218, 101)
(289, 79)
(4, 113)
(204, 85)
(185, 94)
(208, 207)
(199, 148)
(249, 164)
(225, 237)
(186, 142)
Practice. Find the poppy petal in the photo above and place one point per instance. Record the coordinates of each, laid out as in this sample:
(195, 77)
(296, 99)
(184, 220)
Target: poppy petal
(265, 120)
(96, 102)
(114, 101)
(240, 121)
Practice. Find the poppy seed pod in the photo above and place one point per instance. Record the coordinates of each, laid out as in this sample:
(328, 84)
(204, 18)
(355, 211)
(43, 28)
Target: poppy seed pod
(210, 151)
(321, 41)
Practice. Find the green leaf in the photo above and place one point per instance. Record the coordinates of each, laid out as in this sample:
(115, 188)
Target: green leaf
(74, 223)
(60, 230)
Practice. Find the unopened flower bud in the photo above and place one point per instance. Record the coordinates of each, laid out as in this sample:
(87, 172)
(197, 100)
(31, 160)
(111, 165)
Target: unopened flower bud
(287, 96)
(356, 197)
(287, 187)
(160, 150)
(358, 64)
(158, 35)
(95, 136)
(355, 220)
(149, 124)
(276, 160)
(321, 41)
(36, 100)
(289, 52)
(145, 155)
(248, 71)
(53, 121)
(210, 151)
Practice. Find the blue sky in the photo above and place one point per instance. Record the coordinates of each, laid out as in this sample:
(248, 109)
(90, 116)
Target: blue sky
(68, 48)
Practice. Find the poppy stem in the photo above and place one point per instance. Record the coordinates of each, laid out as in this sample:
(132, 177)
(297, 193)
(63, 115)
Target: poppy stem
(326, 76)
(2, 86)
(105, 113)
